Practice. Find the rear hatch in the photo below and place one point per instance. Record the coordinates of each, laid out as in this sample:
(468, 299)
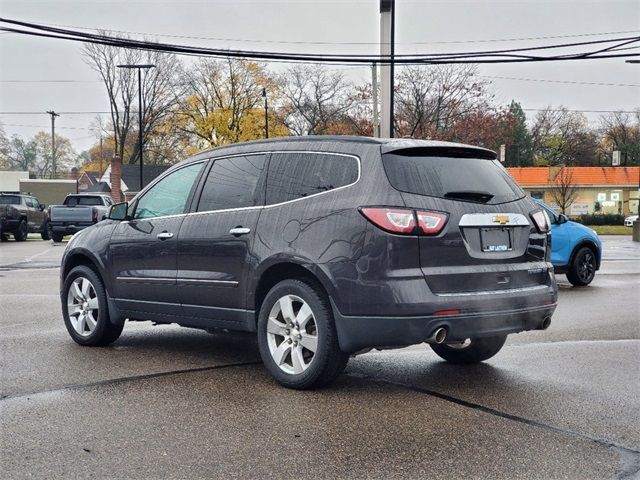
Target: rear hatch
(490, 242)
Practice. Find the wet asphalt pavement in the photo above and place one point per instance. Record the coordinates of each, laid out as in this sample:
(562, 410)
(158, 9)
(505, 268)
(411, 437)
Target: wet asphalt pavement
(171, 402)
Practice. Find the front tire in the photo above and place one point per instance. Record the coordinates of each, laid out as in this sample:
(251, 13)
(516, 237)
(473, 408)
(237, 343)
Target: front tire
(22, 232)
(57, 237)
(583, 268)
(85, 310)
(472, 351)
(297, 336)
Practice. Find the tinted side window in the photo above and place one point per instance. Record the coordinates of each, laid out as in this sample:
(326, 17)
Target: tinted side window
(169, 195)
(298, 175)
(232, 183)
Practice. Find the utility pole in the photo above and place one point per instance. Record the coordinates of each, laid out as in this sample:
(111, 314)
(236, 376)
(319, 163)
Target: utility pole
(101, 155)
(266, 113)
(387, 48)
(140, 114)
(374, 93)
(53, 142)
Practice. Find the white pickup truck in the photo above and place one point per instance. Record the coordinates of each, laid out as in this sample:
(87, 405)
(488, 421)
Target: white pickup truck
(77, 212)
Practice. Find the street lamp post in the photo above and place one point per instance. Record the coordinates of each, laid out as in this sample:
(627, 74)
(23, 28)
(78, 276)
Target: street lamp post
(266, 113)
(636, 224)
(140, 112)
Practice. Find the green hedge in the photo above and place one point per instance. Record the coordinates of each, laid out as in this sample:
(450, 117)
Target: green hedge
(601, 219)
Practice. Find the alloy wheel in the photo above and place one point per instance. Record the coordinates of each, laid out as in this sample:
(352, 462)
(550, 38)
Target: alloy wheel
(83, 306)
(292, 334)
(586, 267)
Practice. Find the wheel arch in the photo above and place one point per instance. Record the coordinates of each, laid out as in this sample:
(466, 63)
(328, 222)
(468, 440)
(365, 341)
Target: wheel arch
(283, 269)
(585, 242)
(82, 257)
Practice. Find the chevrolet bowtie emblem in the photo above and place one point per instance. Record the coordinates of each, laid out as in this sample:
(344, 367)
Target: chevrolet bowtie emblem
(501, 219)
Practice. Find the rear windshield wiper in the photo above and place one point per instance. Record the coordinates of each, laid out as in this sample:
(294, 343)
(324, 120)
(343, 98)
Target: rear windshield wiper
(472, 195)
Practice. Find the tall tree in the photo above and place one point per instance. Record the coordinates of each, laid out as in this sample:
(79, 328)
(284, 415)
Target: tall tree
(621, 131)
(158, 94)
(314, 100)
(66, 157)
(18, 154)
(430, 99)
(519, 150)
(223, 102)
(560, 136)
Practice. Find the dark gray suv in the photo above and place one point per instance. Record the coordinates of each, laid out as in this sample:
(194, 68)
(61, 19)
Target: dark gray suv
(325, 247)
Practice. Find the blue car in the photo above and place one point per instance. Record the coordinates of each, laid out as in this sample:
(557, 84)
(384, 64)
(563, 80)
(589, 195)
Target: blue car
(576, 250)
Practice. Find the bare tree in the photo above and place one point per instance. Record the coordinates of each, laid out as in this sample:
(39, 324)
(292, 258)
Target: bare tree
(313, 99)
(430, 99)
(563, 188)
(560, 136)
(621, 131)
(158, 94)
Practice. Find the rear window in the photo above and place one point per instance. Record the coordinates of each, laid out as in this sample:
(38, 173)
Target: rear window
(298, 175)
(450, 175)
(73, 201)
(9, 200)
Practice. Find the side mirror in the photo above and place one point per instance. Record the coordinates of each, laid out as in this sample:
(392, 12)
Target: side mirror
(42, 206)
(563, 219)
(118, 211)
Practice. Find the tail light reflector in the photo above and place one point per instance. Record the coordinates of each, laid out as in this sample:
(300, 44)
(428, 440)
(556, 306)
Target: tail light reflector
(394, 220)
(94, 216)
(452, 311)
(431, 223)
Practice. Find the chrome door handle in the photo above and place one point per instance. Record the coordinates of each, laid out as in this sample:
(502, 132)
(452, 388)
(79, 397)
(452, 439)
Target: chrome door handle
(165, 235)
(239, 231)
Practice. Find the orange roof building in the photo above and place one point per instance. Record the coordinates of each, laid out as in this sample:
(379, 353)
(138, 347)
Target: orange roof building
(581, 176)
(597, 189)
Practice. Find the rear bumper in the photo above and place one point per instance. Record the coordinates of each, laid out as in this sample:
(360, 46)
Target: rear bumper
(69, 229)
(357, 333)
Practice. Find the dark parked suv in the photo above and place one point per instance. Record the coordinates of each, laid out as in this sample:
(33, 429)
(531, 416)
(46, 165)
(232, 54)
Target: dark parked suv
(324, 246)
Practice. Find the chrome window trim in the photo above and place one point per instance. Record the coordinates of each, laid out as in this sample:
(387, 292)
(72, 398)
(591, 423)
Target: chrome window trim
(257, 207)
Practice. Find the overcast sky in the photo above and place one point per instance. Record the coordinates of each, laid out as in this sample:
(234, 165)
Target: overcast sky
(27, 63)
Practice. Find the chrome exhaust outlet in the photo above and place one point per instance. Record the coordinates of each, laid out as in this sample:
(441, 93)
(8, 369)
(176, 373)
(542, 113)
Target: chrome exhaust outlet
(545, 323)
(439, 336)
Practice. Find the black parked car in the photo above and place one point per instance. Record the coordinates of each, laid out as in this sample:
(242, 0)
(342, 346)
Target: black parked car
(20, 215)
(324, 246)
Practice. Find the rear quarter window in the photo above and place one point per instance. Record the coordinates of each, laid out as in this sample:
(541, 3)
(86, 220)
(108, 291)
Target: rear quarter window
(302, 174)
(447, 173)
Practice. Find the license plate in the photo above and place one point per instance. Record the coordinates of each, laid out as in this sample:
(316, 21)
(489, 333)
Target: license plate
(495, 239)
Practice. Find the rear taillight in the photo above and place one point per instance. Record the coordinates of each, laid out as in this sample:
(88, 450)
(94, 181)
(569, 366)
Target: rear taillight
(394, 220)
(431, 223)
(541, 221)
(403, 220)
(94, 216)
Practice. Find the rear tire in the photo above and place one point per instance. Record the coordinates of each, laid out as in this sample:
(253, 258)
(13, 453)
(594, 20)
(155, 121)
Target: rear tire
(88, 322)
(46, 231)
(57, 237)
(478, 350)
(22, 232)
(583, 268)
(295, 315)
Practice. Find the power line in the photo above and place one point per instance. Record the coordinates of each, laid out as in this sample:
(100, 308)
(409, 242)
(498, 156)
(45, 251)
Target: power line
(492, 56)
(300, 42)
(573, 110)
(42, 126)
(571, 82)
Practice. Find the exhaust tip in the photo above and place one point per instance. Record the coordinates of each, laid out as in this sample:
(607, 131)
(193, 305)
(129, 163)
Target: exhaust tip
(440, 335)
(545, 323)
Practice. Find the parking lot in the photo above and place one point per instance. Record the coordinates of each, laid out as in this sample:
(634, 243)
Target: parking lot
(171, 402)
